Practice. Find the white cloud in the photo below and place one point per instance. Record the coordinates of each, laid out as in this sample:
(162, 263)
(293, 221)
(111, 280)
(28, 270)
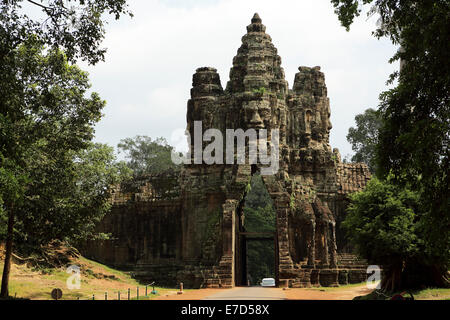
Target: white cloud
(147, 76)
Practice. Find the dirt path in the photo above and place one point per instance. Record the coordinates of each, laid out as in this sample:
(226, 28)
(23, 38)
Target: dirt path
(245, 293)
(327, 294)
(249, 293)
(237, 293)
(199, 294)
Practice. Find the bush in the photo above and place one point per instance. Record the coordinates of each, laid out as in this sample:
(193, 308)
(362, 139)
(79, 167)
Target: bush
(383, 223)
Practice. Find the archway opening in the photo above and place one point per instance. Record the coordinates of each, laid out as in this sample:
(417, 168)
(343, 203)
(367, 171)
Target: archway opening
(257, 249)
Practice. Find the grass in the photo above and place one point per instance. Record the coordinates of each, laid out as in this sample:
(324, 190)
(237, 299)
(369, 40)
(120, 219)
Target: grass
(96, 280)
(422, 294)
(432, 294)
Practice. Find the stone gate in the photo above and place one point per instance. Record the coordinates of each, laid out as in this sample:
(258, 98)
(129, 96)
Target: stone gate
(188, 227)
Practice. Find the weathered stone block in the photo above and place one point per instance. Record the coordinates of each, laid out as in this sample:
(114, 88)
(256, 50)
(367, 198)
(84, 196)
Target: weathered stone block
(328, 277)
(343, 277)
(357, 275)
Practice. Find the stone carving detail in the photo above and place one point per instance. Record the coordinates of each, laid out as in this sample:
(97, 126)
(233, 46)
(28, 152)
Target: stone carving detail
(204, 217)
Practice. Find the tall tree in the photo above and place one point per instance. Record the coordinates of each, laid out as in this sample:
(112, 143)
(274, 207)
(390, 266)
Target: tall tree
(52, 120)
(42, 97)
(415, 136)
(364, 138)
(146, 156)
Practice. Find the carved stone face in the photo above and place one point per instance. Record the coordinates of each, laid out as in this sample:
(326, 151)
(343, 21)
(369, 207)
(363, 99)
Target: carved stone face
(328, 124)
(257, 114)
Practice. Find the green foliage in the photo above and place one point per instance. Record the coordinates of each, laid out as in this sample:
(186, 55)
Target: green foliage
(45, 116)
(248, 188)
(381, 222)
(76, 27)
(334, 158)
(292, 201)
(54, 177)
(146, 156)
(385, 223)
(12, 180)
(415, 134)
(259, 91)
(257, 197)
(67, 194)
(87, 197)
(261, 263)
(280, 95)
(259, 217)
(364, 138)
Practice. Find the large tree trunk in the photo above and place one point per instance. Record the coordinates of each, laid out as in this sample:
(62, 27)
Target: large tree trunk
(8, 253)
(391, 280)
(413, 275)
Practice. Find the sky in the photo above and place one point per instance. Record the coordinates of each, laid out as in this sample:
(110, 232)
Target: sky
(147, 74)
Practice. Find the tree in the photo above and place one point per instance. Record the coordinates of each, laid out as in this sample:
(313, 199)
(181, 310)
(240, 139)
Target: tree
(258, 210)
(12, 178)
(147, 156)
(96, 171)
(68, 195)
(380, 224)
(415, 135)
(3, 222)
(41, 97)
(46, 119)
(364, 138)
(383, 222)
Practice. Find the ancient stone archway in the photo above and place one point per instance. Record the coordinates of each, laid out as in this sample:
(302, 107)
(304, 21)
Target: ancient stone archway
(200, 207)
(256, 240)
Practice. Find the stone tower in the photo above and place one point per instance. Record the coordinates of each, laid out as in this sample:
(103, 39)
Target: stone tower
(201, 210)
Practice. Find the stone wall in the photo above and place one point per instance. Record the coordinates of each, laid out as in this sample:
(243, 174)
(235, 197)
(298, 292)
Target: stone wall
(351, 177)
(144, 225)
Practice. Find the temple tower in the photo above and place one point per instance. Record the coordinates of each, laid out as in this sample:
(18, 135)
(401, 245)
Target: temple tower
(188, 227)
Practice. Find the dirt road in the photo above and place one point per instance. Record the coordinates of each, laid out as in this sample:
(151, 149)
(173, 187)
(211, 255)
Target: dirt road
(259, 293)
(249, 293)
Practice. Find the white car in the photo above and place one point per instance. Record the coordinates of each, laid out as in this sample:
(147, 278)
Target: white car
(268, 282)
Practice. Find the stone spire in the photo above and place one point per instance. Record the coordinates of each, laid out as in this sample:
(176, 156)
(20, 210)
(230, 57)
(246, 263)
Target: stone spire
(257, 64)
(256, 18)
(256, 25)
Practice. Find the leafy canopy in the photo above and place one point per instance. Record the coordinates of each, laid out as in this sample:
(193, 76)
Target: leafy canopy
(68, 195)
(77, 26)
(46, 117)
(364, 138)
(146, 156)
(54, 177)
(381, 222)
